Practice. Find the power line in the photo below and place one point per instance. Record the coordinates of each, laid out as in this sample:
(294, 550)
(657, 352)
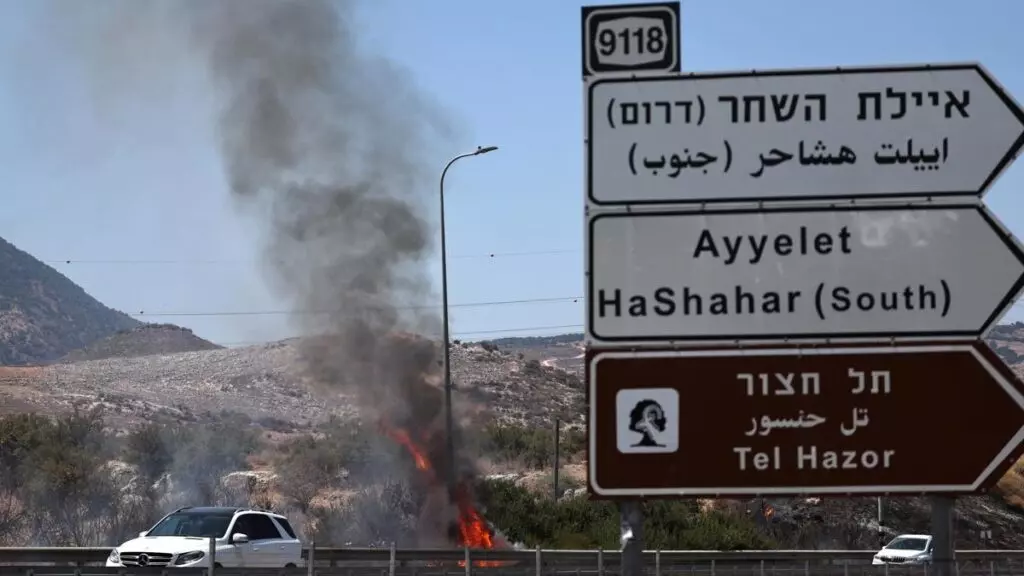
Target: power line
(487, 255)
(454, 334)
(144, 314)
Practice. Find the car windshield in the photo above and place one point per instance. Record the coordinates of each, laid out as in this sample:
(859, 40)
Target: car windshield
(199, 525)
(904, 543)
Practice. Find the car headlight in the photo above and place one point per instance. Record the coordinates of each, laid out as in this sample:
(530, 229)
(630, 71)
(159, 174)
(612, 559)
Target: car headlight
(114, 557)
(189, 557)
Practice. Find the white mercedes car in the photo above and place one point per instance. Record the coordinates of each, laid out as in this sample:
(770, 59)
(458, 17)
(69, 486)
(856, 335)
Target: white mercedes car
(243, 537)
(906, 549)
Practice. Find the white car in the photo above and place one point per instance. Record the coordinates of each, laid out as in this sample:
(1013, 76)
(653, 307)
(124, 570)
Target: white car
(244, 538)
(906, 549)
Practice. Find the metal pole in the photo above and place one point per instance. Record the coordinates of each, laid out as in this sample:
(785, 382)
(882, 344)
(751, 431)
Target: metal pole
(448, 421)
(211, 551)
(311, 559)
(942, 532)
(632, 535)
(557, 427)
(881, 535)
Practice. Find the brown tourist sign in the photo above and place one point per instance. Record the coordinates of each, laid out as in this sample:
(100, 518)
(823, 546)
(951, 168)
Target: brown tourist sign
(938, 418)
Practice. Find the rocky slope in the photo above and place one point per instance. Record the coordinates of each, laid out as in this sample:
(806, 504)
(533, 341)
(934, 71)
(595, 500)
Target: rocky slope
(262, 382)
(43, 315)
(144, 340)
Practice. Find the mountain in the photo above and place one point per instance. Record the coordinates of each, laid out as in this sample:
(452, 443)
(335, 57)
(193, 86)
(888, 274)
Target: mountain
(44, 315)
(144, 340)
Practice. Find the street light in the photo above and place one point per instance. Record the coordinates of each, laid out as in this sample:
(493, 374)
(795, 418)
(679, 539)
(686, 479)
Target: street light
(449, 425)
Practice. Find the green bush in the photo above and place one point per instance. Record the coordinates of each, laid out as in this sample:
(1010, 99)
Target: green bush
(582, 523)
(534, 447)
(59, 484)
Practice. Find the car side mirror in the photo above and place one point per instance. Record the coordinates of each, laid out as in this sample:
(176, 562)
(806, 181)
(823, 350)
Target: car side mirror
(239, 538)
(142, 534)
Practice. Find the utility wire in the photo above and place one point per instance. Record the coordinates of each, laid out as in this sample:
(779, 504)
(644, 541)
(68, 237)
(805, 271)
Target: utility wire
(454, 334)
(487, 255)
(144, 314)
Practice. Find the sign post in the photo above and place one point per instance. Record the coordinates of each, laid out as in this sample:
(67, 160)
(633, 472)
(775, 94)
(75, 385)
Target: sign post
(789, 274)
(630, 39)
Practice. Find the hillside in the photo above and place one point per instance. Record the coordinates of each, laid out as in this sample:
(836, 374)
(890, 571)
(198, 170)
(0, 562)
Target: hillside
(44, 315)
(258, 388)
(263, 383)
(1008, 341)
(565, 351)
(142, 340)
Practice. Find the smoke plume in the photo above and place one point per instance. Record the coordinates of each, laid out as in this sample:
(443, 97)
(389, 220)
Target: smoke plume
(325, 145)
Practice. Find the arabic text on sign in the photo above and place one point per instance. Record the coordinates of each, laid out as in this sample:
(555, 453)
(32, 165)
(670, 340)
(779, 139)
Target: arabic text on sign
(766, 424)
(858, 420)
(908, 154)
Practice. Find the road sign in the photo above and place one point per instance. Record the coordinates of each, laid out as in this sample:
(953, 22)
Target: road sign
(631, 38)
(922, 419)
(810, 272)
(944, 130)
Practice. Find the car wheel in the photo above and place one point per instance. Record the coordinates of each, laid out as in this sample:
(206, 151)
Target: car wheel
(290, 565)
(217, 565)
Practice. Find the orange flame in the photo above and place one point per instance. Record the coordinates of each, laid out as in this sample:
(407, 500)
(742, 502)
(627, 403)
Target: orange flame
(402, 437)
(473, 530)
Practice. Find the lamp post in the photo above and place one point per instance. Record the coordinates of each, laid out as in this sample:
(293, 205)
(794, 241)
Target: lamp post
(449, 423)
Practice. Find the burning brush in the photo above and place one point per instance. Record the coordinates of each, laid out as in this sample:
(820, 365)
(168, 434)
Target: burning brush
(466, 527)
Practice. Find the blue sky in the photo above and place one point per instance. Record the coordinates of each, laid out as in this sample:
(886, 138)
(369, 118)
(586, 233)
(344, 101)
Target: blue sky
(137, 199)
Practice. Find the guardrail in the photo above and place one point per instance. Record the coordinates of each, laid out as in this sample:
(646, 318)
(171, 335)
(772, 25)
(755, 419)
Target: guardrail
(609, 558)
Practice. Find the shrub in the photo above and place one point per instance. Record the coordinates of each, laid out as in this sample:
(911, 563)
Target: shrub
(534, 447)
(582, 523)
(533, 368)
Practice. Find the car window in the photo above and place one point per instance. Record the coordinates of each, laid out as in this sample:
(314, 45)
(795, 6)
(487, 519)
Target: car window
(907, 543)
(286, 527)
(185, 524)
(256, 527)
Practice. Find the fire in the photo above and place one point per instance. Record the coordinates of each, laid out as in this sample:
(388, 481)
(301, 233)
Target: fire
(402, 437)
(473, 531)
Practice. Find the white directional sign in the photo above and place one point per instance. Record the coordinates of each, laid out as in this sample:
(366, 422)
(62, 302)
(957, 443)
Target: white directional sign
(810, 273)
(940, 130)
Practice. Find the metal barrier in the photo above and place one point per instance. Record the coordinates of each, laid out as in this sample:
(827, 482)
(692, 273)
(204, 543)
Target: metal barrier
(1003, 567)
(597, 559)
